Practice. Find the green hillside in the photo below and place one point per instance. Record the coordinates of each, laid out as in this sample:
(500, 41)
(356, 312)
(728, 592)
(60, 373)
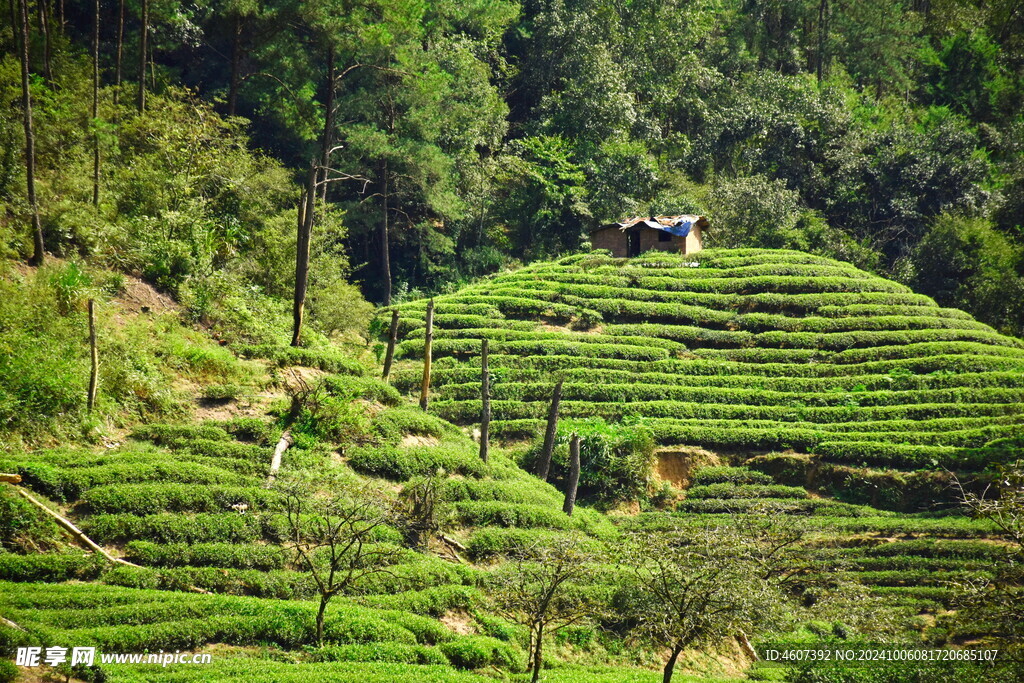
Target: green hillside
(740, 375)
(746, 351)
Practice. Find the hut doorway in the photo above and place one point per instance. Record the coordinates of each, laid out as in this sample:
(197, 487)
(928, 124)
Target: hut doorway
(633, 244)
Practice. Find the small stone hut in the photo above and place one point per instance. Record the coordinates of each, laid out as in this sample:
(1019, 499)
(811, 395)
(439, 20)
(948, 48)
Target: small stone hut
(634, 236)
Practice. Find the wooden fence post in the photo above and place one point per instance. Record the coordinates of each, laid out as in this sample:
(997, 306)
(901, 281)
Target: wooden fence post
(428, 343)
(574, 475)
(549, 435)
(485, 397)
(94, 373)
(392, 338)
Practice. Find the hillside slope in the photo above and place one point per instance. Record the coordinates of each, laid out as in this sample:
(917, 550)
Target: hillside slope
(735, 350)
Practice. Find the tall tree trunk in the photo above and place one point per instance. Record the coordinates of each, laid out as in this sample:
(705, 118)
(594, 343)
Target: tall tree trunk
(96, 104)
(544, 465)
(327, 139)
(120, 51)
(307, 204)
(485, 402)
(574, 475)
(385, 247)
(21, 21)
(822, 31)
(236, 61)
(44, 30)
(671, 665)
(140, 99)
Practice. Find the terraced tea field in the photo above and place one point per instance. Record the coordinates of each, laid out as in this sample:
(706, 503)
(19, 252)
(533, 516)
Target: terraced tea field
(737, 351)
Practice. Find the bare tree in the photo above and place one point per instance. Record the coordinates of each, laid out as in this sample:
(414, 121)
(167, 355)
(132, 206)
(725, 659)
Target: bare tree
(422, 509)
(694, 588)
(997, 604)
(331, 526)
(541, 588)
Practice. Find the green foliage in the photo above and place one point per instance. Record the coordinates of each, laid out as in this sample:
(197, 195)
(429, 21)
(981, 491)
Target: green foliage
(381, 652)
(729, 475)
(966, 261)
(23, 528)
(50, 567)
(240, 556)
(326, 359)
(478, 652)
(401, 463)
(615, 459)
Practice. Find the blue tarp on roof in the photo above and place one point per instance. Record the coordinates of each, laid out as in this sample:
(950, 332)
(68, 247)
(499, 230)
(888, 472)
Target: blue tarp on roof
(680, 229)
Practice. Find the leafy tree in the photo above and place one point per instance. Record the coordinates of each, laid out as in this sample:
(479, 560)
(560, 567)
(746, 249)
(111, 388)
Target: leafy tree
(544, 196)
(965, 262)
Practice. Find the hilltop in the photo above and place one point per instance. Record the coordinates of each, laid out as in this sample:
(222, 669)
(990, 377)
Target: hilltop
(743, 352)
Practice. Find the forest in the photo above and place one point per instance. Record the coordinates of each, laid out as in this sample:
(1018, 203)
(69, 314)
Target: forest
(452, 139)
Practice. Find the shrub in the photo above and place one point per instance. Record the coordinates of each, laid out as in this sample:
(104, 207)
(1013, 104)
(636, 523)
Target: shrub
(23, 528)
(393, 424)
(327, 360)
(731, 475)
(428, 602)
(166, 433)
(477, 652)
(615, 459)
(381, 652)
(171, 528)
(401, 464)
(49, 567)
(368, 388)
(239, 556)
(222, 392)
(731, 490)
(145, 499)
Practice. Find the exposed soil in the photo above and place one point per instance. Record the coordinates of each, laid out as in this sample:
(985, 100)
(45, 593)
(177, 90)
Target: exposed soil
(676, 465)
(413, 440)
(140, 297)
(459, 621)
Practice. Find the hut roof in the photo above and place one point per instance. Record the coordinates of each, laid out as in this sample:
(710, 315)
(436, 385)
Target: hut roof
(677, 225)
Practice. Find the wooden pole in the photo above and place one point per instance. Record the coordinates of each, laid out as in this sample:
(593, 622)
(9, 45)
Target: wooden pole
(74, 530)
(94, 374)
(574, 475)
(275, 462)
(485, 397)
(392, 339)
(10, 478)
(307, 206)
(549, 434)
(428, 344)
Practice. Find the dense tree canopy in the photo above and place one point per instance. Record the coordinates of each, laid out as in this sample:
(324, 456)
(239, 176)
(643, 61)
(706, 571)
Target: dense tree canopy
(473, 134)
